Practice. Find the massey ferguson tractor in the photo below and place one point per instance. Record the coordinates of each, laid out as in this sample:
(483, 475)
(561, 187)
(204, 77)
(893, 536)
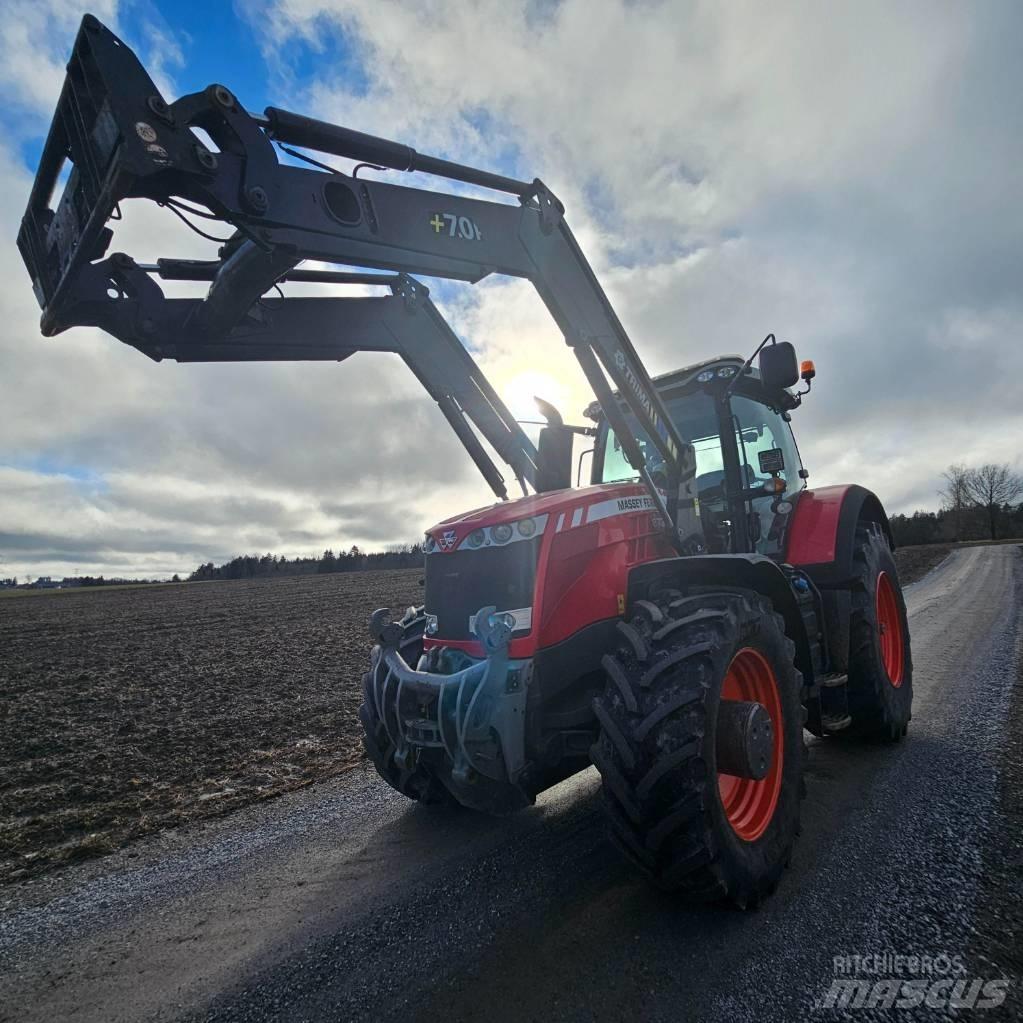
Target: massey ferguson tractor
(677, 623)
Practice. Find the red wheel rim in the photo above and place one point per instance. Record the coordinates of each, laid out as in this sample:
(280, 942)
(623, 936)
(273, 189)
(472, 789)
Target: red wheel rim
(889, 628)
(749, 805)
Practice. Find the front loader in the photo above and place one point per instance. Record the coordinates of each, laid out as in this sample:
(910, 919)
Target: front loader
(676, 623)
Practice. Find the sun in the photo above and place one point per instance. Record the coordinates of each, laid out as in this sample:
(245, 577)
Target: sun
(519, 391)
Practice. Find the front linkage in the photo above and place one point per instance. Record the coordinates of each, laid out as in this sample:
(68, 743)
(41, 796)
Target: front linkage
(467, 720)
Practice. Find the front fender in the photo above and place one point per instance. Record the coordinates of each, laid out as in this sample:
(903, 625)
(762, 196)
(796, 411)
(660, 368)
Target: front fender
(726, 571)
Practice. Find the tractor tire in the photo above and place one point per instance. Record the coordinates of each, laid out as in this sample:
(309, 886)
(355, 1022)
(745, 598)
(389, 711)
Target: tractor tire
(880, 689)
(706, 836)
(418, 783)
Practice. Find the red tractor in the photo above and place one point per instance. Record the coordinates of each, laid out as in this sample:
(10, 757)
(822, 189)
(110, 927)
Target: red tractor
(677, 623)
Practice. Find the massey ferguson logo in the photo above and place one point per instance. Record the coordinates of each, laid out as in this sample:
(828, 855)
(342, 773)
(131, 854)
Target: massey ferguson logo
(627, 504)
(447, 540)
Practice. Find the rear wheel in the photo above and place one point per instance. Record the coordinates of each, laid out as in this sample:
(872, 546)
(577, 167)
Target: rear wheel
(684, 665)
(880, 662)
(414, 781)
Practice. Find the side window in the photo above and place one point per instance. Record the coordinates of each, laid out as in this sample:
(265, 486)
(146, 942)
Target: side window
(616, 466)
(766, 444)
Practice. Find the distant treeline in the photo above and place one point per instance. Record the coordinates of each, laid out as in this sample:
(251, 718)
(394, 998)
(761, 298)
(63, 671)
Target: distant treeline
(99, 580)
(942, 527)
(977, 504)
(73, 582)
(409, 555)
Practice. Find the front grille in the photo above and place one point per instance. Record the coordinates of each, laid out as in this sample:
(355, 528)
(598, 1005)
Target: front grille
(460, 583)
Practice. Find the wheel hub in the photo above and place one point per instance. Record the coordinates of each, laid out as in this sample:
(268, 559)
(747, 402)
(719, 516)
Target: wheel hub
(889, 629)
(750, 735)
(745, 739)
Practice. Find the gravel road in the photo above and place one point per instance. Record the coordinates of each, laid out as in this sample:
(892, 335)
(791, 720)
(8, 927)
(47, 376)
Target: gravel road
(344, 902)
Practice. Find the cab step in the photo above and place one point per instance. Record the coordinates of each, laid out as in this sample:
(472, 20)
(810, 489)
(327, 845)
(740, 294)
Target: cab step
(832, 680)
(834, 701)
(834, 722)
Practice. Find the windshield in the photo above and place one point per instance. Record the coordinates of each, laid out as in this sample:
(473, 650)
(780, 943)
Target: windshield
(695, 419)
(759, 430)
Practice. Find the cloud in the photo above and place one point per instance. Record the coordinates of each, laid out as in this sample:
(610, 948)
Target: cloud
(35, 40)
(846, 177)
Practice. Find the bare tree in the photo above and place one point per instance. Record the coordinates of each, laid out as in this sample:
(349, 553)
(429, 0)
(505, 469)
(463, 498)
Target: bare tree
(956, 496)
(990, 487)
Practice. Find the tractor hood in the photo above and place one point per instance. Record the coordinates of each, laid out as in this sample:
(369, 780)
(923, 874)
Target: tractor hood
(557, 562)
(554, 511)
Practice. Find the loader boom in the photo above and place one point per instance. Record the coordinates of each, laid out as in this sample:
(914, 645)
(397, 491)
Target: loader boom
(125, 141)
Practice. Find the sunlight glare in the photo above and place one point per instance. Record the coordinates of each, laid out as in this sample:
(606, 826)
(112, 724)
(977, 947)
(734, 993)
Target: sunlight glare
(519, 391)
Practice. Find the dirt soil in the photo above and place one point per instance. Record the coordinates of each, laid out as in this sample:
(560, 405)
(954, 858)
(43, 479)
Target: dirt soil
(915, 562)
(127, 711)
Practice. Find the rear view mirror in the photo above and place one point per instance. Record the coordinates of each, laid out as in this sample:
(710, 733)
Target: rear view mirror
(554, 459)
(778, 366)
(554, 451)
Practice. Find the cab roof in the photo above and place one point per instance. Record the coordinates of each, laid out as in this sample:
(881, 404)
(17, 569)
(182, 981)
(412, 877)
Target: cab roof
(681, 377)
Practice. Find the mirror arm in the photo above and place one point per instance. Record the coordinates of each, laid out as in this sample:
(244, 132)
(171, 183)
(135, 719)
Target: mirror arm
(745, 367)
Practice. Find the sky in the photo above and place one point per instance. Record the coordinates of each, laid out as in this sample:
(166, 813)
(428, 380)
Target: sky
(846, 176)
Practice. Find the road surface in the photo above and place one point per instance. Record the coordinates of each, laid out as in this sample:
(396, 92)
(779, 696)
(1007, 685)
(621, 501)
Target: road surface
(345, 902)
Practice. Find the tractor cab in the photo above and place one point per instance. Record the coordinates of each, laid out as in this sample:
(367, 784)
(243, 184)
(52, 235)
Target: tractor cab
(748, 469)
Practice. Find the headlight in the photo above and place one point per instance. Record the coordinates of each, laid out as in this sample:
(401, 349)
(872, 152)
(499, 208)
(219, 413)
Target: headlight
(429, 544)
(526, 528)
(707, 374)
(501, 533)
(727, 371)
(476, 538)
(431, 625)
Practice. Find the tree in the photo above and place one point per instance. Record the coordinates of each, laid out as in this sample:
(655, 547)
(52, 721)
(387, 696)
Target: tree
(956, 496)
(990, 487)
(920, 527)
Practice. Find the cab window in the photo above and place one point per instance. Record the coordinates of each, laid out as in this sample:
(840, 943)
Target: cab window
(766, 448)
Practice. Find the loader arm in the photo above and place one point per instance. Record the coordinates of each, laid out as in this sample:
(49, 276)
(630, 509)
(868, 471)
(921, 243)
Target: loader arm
(124, 141)
(293, 329)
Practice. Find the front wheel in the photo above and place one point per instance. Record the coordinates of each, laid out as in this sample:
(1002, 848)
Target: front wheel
(686, 665)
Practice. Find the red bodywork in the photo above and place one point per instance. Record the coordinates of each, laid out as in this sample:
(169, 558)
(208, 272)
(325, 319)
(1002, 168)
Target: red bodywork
(812, 536)
(594, 536)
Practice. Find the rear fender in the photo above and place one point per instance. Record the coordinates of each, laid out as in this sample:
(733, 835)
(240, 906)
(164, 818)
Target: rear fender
(723, 572)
